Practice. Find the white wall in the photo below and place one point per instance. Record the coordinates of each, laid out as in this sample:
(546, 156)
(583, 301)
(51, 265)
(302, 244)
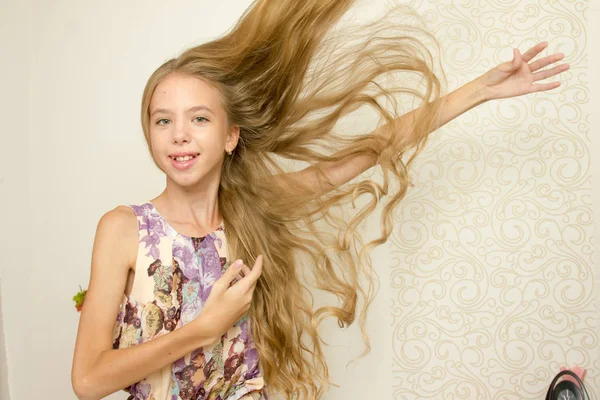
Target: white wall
(16, 239)
(72, 149)
(3, 362)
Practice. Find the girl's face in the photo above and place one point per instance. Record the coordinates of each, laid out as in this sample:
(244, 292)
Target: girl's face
(189, 130)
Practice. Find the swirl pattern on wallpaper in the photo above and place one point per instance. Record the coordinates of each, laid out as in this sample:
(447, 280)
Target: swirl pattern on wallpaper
(492, 274)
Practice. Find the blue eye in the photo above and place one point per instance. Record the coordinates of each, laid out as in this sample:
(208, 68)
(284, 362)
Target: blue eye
(202, 118)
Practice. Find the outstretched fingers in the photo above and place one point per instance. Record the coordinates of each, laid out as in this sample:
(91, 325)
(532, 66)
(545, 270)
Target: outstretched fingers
(534, 51)
(538, 76)
(543, 62)
(542, 87)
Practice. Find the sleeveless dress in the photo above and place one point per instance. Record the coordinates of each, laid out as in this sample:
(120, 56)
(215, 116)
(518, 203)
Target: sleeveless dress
(173, 279)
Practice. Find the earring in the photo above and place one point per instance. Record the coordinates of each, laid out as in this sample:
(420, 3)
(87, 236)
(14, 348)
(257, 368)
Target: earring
(229, 152)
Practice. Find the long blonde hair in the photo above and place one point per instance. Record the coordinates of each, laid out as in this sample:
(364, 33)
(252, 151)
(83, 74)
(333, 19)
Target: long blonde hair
(287, 78)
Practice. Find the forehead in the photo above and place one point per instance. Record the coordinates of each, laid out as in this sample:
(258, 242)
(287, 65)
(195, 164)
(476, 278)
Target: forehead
(179, 91)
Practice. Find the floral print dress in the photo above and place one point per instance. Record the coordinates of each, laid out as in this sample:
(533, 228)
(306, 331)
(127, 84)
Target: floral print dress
(173, 279)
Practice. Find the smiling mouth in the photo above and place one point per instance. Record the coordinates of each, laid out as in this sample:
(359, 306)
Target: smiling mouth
(184, 158)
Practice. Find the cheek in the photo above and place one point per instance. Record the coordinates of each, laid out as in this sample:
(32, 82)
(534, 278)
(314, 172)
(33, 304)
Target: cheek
(157, 145)
(210, 140)
(218, 141)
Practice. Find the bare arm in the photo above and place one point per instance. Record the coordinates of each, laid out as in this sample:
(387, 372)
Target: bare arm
(339, 172)
(509, 79)
(99, 370)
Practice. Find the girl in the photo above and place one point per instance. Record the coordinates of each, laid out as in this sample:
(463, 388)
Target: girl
(191, 324)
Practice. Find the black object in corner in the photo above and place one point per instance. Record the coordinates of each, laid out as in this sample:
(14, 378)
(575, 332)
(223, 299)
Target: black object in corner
(567, 390)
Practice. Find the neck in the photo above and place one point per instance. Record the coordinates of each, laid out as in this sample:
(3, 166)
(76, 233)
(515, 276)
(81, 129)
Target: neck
(198, 203)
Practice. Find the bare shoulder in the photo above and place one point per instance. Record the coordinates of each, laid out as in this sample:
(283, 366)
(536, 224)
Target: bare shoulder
(120, 217)
(118, 230)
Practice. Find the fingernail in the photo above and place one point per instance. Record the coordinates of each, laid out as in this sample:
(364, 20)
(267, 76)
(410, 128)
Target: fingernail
(237, 263)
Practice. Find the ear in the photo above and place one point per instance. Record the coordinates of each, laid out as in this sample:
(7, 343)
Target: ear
(232, 137)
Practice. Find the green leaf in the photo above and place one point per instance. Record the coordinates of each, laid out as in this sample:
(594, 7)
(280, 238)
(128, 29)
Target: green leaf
(79, 297)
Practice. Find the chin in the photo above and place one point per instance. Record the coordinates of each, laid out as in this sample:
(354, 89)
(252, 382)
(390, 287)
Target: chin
(186, 181)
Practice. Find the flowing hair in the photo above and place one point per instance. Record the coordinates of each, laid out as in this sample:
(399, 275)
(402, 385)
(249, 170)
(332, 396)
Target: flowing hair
(286, 78)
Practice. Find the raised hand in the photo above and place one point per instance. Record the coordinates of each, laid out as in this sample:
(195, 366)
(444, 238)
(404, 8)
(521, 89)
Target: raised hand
(518, 77)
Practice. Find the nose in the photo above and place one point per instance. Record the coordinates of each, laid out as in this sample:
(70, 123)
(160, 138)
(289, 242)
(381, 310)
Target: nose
(180, 133)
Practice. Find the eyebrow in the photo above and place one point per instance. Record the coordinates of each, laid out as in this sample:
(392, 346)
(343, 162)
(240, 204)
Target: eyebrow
(193, 109)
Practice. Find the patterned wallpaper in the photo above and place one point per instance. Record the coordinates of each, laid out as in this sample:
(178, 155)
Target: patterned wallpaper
(492, 273)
